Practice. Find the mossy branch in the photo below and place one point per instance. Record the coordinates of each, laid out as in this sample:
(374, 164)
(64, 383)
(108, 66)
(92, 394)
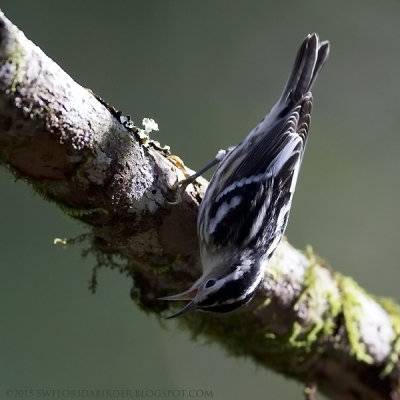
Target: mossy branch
(307, 322)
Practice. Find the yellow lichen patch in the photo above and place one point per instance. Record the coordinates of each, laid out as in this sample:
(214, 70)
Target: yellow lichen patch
(178, 164)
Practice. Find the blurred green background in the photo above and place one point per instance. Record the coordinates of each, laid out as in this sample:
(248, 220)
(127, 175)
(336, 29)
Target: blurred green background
(206, 71)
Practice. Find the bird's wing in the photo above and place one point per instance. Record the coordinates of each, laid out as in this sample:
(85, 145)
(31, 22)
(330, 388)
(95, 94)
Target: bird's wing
(255, 199)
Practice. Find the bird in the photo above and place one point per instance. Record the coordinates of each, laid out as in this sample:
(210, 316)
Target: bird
(245, 209)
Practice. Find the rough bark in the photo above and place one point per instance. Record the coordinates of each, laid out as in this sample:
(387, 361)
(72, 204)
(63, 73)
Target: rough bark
(307, 322)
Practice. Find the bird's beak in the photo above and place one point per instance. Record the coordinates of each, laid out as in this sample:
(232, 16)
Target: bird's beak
(189, 307)
(189, 294)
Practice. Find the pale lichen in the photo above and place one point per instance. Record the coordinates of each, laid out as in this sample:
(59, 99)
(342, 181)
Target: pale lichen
(149, 125)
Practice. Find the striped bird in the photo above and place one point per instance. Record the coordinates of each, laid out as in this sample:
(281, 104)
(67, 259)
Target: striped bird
(245, 209)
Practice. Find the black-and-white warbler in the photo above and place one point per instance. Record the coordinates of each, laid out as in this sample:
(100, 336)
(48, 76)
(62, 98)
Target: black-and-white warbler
(246, 206)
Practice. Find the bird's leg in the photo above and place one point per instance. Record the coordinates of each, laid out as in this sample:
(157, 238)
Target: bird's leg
(180, 186)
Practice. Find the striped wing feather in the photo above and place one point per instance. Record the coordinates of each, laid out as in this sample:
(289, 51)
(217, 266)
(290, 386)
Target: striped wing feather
(255, 200)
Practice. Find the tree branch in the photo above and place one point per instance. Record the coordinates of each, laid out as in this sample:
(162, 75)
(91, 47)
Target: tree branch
(307, 322)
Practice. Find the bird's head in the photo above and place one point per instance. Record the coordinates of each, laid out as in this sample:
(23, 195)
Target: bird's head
(221, 290)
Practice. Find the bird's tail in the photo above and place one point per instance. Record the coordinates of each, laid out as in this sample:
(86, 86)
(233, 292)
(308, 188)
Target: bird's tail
(309, 60)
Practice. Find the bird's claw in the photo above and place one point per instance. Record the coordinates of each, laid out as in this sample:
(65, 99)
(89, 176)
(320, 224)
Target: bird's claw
(178, 188)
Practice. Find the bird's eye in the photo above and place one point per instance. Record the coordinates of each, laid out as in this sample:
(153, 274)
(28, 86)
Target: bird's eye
(210, 283)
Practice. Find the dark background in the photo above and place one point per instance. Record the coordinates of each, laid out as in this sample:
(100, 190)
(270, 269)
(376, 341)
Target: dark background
(206, 71)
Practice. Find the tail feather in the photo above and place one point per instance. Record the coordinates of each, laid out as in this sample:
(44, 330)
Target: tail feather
(309, 60)
(323, 53)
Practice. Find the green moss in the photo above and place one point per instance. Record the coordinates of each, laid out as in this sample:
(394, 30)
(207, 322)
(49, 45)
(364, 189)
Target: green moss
(327, 298)
(74, 212)
(293, 339)
(16, 58)
(321, 299)
(351, 292)
(274, 269)
(270, 336)
(393, 310)
(335, 307)
(265, 303)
